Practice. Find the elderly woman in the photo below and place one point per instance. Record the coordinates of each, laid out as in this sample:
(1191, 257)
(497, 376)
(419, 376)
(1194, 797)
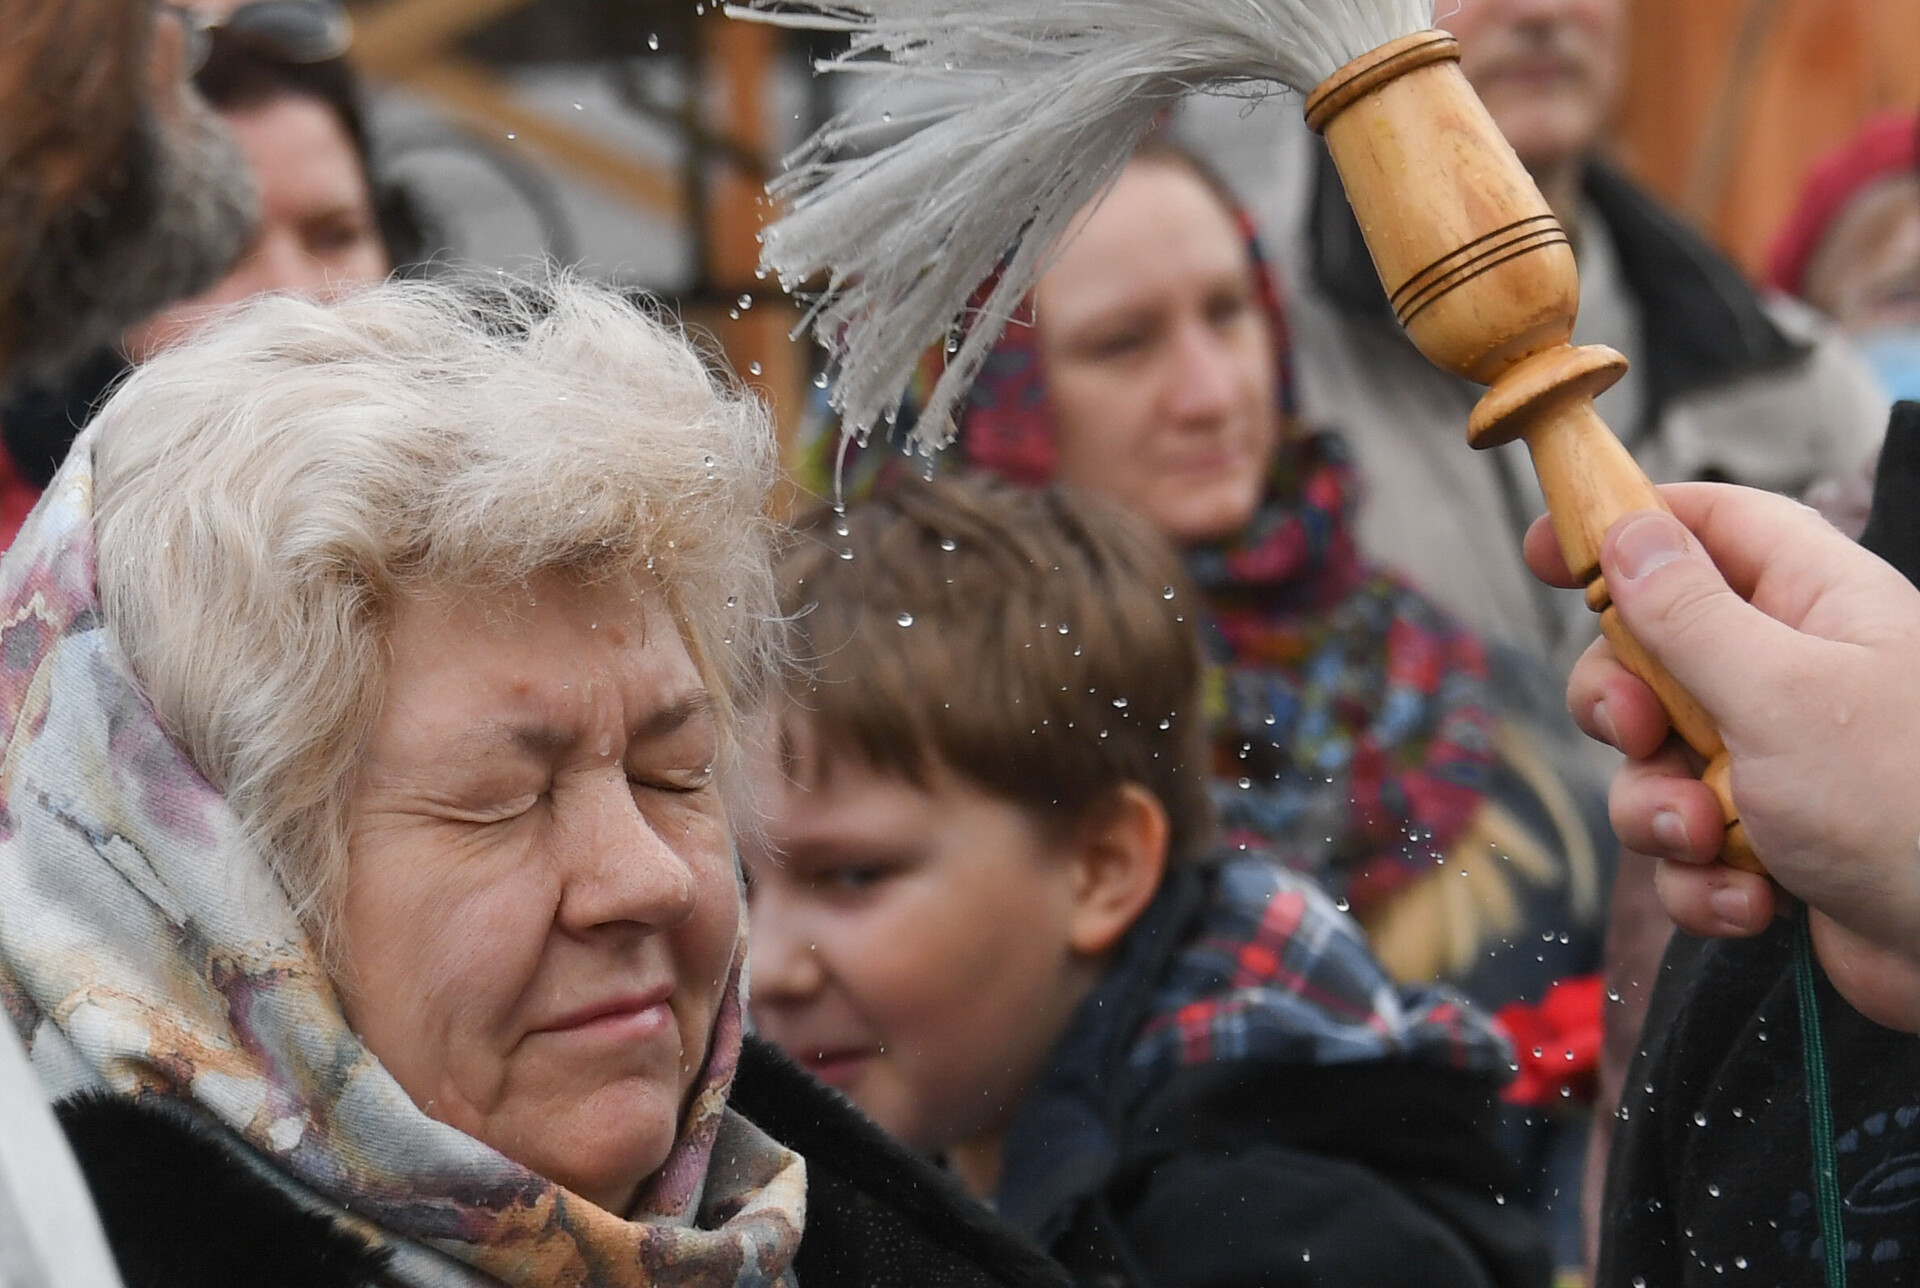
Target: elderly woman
(372, 684)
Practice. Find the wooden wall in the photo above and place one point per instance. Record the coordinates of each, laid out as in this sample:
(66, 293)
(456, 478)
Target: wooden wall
(1728, 102)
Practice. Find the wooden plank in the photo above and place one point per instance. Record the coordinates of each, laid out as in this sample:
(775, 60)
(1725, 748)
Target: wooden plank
(391, 38)
(487, 104)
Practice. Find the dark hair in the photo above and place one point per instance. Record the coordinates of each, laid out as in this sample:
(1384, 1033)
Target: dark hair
(239, 75)
(1035, 642)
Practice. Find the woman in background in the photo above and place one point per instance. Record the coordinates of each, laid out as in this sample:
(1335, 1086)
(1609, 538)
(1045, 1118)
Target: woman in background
(326, 225)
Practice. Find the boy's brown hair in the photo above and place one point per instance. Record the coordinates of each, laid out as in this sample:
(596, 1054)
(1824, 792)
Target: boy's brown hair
(1038, 643)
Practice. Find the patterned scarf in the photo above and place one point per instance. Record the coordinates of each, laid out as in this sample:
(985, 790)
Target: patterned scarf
(145, 948)
(1352, 730)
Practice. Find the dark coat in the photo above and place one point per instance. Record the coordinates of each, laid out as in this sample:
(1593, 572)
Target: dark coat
(185, 1205)
(1712, 1174)
(1253, 1173)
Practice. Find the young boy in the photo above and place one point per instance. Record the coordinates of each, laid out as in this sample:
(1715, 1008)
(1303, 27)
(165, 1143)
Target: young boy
(985, 908)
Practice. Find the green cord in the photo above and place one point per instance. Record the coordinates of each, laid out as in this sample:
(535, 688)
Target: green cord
(1813, 1052)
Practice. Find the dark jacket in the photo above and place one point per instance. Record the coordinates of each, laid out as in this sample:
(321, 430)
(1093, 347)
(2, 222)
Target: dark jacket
(1229, 1170)
(185, 1206)
(1711, 1174)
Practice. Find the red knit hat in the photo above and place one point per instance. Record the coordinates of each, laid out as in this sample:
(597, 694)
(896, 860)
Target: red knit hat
(1885, 145)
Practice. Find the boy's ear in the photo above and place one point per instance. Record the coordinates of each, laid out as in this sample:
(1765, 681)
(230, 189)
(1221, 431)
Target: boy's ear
(1122, 855)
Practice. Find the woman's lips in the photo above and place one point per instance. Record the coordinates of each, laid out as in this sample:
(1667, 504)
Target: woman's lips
(626, 1017)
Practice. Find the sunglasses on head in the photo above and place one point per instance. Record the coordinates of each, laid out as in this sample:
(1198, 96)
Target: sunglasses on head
(294, 31)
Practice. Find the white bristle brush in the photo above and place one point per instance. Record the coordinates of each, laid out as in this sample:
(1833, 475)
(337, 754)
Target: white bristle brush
(1045, 101)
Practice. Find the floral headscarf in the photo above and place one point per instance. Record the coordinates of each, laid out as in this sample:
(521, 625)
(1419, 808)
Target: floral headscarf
(146, 948)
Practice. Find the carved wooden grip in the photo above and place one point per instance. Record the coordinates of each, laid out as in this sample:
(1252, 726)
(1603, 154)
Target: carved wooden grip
(1482, 276)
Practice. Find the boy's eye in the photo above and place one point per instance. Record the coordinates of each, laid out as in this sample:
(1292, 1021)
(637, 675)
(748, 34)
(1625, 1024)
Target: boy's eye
(856, 878)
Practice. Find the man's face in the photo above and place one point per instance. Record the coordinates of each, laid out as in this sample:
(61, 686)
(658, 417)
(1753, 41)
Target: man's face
(169, 216)
(1547, 70)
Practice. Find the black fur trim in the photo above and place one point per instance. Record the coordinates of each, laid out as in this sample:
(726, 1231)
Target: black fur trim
(862, 1170)
(185, 1205)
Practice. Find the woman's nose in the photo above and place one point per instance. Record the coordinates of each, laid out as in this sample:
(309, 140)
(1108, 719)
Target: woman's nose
(1202, 379)
(616, 865)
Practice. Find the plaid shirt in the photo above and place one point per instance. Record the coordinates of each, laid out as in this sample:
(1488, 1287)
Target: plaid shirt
(1278, 973)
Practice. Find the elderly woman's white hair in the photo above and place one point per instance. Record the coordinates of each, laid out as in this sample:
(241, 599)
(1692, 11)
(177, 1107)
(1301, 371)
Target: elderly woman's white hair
(267, 495)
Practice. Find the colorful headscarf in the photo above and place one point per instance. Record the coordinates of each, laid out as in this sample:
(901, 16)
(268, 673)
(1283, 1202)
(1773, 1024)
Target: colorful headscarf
(146, 948)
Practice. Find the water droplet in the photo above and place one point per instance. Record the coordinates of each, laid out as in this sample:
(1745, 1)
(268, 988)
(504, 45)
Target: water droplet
(653, 42)
(820, 381)
(1166, 592)
(511, 136)
(1166, 724)
(745, 302)
(1064, 628)
(579, 107)
(753, 368)
(1739, 1263)
(949, 545)
(905, 619)
(1342, 904)
(1245, 784)
(847, 553)
(732, 600)
(1713, 1190)
(1699, 1118)
(1119, 704)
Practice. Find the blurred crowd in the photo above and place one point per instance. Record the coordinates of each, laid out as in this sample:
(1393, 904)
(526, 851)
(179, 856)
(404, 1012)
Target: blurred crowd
(451, 834)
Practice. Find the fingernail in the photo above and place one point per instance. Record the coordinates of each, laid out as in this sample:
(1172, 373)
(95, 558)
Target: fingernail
(1648, 542)
(1670, 830)
(1604, 718)
(1730, 904)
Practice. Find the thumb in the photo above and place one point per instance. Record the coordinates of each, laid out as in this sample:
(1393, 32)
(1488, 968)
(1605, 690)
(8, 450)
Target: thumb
(1674, 601)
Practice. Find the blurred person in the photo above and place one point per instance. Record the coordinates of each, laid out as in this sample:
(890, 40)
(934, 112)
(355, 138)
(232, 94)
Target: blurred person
(1804, 648)
(1851, 248)
(1724, 383)
(118, 192)
(327, 223)
(119, 189)
(1359, 733)
(990, 909)
(372, 895)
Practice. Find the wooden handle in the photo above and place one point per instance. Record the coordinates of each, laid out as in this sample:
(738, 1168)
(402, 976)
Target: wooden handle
(1590, 480)
(1482, 276)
